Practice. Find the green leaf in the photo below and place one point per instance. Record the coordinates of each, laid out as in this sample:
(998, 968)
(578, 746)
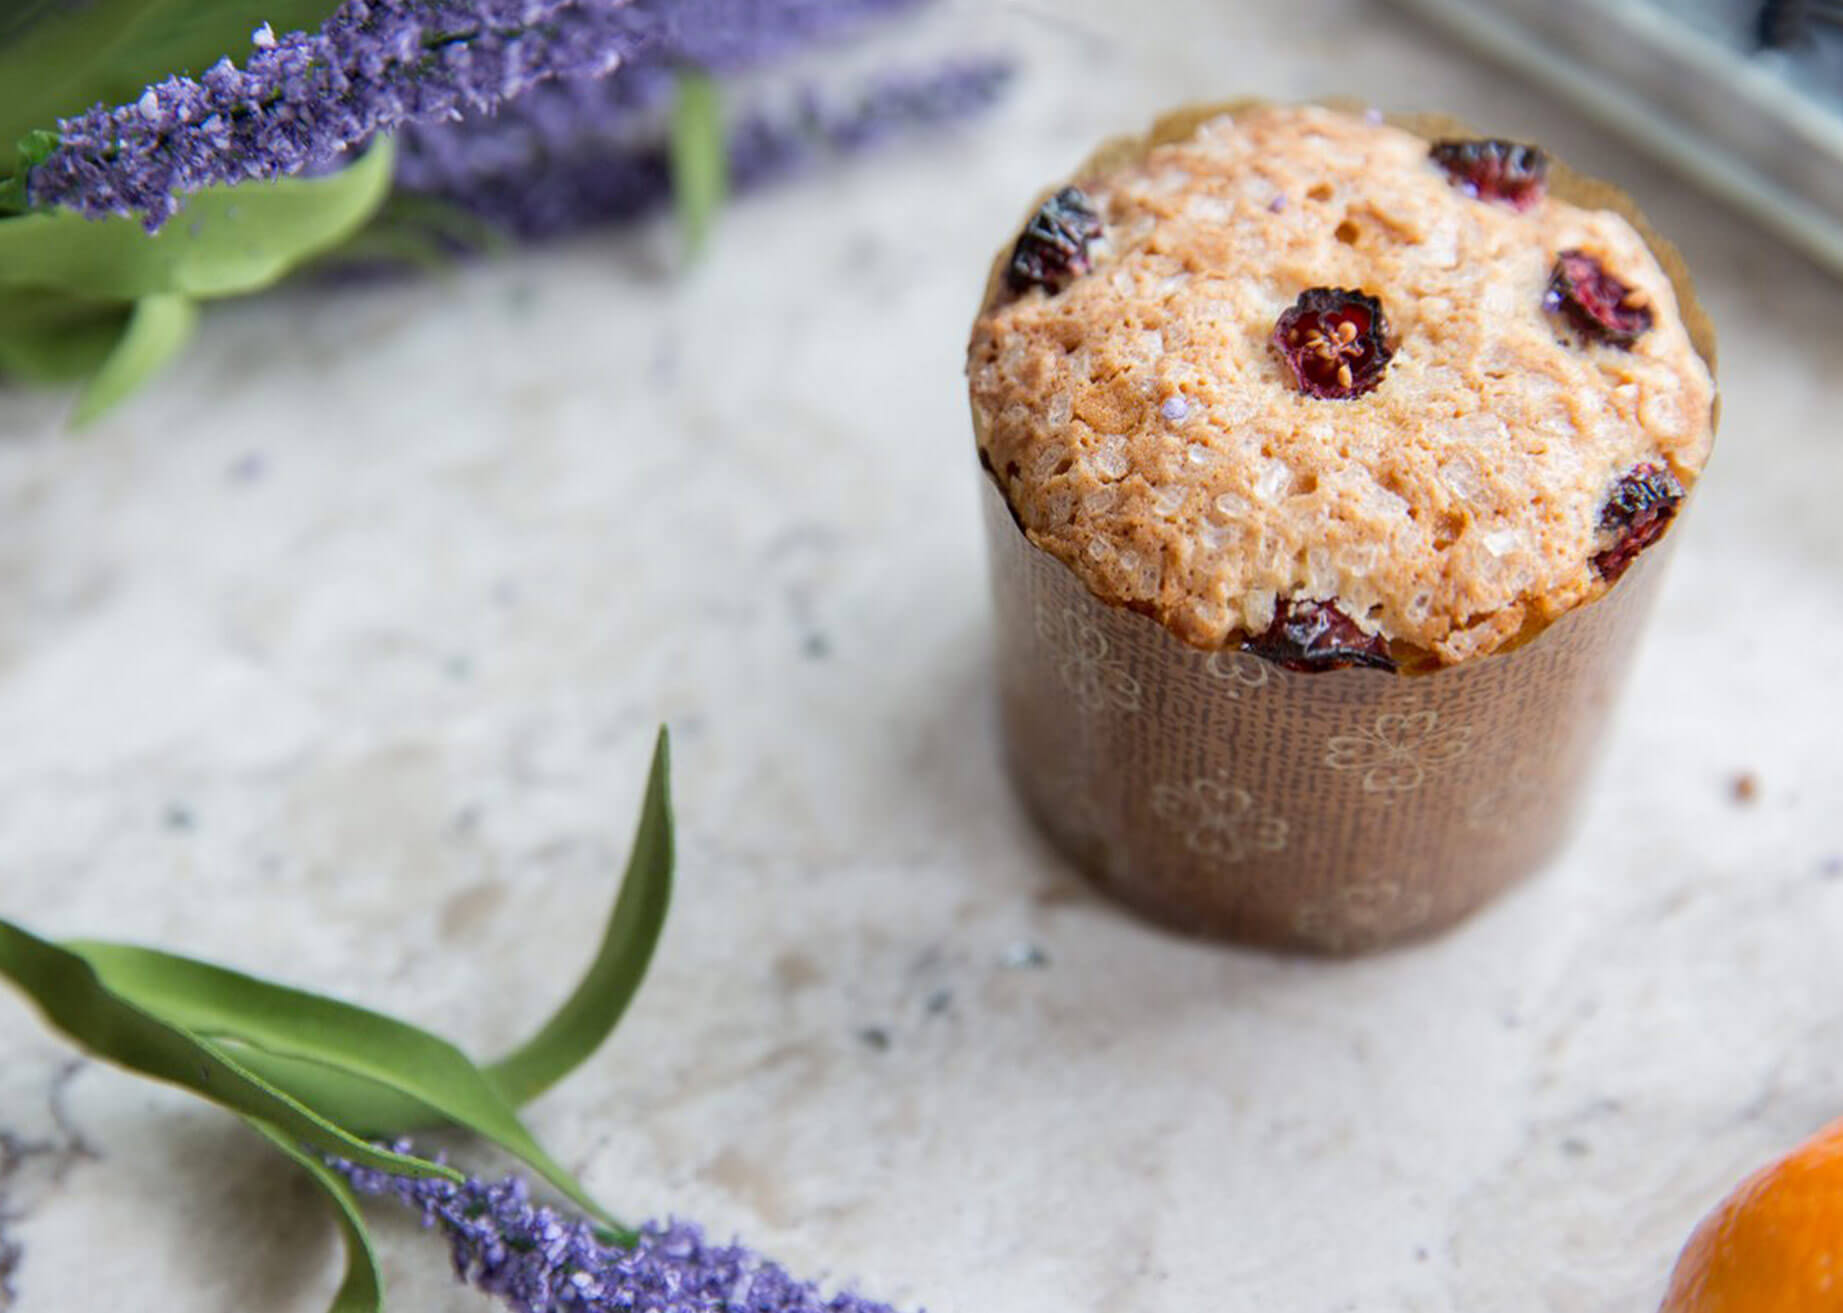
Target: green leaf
(363, 1106)
(700, 156)
(157, 331)
(73, 997)
(381, 1077)
(66, 281)
(362, 1290)
(230, 1008)
(33, 148)
(61, 63)
(52, 337)
(592, 1011)
(226, 241)
(296, 1064)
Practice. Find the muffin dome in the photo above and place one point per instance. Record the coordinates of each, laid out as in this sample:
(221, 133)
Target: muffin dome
(1303, 365)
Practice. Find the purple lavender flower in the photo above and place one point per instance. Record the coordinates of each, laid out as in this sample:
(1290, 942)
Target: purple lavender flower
(568, 154)
(729, 36)
(725, 36)
(539, 1261)
(304, 98)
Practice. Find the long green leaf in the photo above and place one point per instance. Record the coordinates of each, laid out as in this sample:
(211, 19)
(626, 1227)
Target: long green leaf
(225, 242)
(592, 1011)
(380, 1077)
(362, 1290)
(569, 1036)
(700, 156)
(62, 63)
(158, 330)
(226, 1006)
(74, 998)
(363, 1106)
(53, 337)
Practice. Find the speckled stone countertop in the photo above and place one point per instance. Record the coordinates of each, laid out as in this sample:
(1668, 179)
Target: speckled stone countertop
(337, 656)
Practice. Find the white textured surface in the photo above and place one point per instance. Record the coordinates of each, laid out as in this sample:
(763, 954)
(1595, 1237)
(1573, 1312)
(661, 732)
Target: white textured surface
(337, 655)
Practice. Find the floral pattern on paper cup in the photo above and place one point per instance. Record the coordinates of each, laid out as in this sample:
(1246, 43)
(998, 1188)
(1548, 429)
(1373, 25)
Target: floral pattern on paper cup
(1394, 755)
(1362, 914)
(1219, 820)
(1085, 662)
(1238, 672)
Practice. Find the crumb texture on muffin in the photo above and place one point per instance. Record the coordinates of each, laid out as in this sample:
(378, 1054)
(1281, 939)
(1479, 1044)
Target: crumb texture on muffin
(1147, 430)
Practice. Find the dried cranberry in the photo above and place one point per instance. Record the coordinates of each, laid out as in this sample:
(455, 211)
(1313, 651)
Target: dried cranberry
(1316, 636)
(1334, 341)
(1494, 170)
(1643, 503)
(1598, 304)
(1053, 249)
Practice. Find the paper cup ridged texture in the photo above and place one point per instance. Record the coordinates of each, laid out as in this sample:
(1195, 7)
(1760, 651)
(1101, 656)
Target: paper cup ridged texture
(1331, 812)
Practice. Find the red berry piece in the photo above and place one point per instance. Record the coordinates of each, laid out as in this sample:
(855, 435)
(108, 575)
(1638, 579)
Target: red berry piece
(1053, 250)
(1600, 306)
(1494, 170)
(1314, 636)
(1334, 341)
(1643, 502)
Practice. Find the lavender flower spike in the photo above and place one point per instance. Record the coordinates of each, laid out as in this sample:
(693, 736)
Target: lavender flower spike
(731, 36)
(568, 155)
(303, 99)
(541, 1262)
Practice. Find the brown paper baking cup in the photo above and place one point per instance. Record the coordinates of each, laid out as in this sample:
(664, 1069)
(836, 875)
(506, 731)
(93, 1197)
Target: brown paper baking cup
(1223, 795)
(1330, 812)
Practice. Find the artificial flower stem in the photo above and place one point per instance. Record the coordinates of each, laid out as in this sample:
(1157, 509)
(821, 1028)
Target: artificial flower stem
(700, 159)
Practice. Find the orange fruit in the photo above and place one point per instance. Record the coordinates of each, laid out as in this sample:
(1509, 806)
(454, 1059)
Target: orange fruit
(1774, 1245)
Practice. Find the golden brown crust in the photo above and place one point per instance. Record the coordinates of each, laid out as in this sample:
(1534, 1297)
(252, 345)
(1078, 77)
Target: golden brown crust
(1144, 431)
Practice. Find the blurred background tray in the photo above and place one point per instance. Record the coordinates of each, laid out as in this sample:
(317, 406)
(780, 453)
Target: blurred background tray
(1745, 97)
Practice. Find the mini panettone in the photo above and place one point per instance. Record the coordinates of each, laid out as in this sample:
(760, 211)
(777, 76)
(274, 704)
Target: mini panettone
(1327, 459)
(1309, 384)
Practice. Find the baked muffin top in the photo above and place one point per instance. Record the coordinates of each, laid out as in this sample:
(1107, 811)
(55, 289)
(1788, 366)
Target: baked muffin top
(1301, 382)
